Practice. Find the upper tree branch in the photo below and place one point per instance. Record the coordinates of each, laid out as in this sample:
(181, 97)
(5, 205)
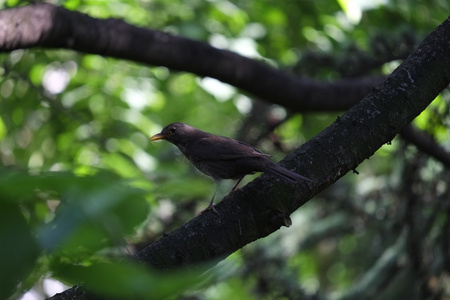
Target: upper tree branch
(45, 25)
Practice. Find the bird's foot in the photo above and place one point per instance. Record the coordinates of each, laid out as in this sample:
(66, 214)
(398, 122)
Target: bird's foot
(210, 206)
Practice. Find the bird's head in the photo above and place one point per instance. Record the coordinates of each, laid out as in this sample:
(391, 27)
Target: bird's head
(175, 133)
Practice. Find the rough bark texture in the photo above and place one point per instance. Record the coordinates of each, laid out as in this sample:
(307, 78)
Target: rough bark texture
(45, 25)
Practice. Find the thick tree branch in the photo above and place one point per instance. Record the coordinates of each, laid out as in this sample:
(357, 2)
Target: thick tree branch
(45, 25)
(264, 205)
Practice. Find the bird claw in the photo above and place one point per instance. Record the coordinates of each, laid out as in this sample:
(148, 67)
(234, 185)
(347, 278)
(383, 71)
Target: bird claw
(215, 211)
(210, 207)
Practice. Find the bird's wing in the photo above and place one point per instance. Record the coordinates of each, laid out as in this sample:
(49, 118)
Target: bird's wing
(224, 148)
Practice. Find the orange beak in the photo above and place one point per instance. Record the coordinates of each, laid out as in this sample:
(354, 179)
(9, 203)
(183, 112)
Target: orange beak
(156, 137)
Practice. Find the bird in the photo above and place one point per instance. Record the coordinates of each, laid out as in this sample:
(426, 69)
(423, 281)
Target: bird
(222, 157)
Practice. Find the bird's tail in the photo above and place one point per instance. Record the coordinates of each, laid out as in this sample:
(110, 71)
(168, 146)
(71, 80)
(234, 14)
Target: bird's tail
(285, 174)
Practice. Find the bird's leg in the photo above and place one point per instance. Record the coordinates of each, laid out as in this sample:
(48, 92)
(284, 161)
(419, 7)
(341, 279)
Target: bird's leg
(236, 184)
(211, 203)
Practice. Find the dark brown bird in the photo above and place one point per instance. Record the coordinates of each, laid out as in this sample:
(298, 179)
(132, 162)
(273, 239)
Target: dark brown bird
(221, 157)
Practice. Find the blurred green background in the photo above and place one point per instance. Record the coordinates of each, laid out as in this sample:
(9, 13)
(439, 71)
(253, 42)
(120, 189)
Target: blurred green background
(81, 185)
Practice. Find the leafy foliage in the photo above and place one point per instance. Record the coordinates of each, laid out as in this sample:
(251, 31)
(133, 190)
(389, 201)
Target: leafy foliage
(65, 218)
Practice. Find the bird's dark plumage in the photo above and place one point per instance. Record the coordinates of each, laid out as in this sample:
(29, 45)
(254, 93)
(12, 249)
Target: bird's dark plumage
(221, 157)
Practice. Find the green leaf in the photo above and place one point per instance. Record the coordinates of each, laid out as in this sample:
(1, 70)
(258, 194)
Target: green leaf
(3, 129)
(93, 212)
(96, 212)
(126, 280)
(18, 249)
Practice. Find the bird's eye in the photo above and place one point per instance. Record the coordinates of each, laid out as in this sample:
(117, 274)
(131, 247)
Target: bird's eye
(172, 129)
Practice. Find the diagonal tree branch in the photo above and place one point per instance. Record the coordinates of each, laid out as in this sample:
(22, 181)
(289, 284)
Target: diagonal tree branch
(49, 26)
(264, 205)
